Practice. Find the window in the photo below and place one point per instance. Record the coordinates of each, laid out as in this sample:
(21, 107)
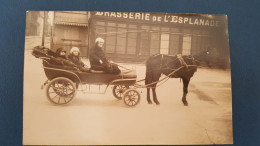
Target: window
(131, 39)
(121, 41)
(174, 44)
(175, 37)
(110, 43)
(145, 46)
(164, 46)
(121, 38)
(186, 47)
(200, 41)
(155, 41)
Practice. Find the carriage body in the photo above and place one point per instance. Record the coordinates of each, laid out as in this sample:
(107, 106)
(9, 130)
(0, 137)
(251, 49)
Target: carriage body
(63, 81)
(79, 77)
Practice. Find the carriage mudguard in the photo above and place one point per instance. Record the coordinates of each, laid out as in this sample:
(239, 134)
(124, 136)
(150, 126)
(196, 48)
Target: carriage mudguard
(53, 71)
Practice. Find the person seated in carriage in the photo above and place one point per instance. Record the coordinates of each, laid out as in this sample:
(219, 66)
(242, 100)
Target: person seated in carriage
(98, 60)
(60, 58)
(74, 57)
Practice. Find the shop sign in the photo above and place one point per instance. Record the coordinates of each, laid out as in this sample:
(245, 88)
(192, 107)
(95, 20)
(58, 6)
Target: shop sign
(163, 18)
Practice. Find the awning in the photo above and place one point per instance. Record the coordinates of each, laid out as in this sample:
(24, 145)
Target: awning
(72, 24)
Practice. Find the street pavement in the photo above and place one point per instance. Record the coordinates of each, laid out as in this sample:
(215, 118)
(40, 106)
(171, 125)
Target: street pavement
(91, 119)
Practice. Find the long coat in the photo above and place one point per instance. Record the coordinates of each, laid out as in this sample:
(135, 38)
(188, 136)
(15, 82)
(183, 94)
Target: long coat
(76, 60)
(95, 55)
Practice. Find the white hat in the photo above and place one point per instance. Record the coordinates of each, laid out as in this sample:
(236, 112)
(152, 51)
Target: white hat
(99, 40)
(73, 49)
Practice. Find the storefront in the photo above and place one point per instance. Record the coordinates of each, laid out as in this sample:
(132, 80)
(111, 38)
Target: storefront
(71, 30)
(133, 37)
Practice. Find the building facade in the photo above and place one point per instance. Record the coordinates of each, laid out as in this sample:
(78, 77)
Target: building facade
(133, 37)
(70, 29)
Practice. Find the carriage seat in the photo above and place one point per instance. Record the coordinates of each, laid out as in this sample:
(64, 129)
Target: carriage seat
(97, 71)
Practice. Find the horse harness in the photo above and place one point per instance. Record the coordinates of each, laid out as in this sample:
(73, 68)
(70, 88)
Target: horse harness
(180, 59)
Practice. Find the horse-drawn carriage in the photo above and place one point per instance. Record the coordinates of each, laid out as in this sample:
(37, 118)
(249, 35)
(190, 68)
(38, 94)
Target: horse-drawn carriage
(64, 81)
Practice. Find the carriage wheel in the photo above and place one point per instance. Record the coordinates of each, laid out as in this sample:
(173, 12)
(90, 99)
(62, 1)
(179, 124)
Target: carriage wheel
(131, 97)
(118, 91)
(61, 90)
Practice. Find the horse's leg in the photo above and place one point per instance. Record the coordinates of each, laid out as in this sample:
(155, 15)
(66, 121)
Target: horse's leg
(185, 90)
(156, 78)
(148, 96)
(155, 96)
(148, 81)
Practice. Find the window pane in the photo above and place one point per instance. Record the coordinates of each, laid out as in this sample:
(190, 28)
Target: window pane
(131, 42)
(132, 35)
(165, 37)
(110, 40)
(111, 24)
(120, 49)
(121, 25)
(186, 45)
(145, 27)
(122, 31)
(165, 28)
(110, 43)
(110, 48)
(121, 41)
(100, 28)
(155, 36)
(174, 44)
(155, 43)
(164, 51)
(165, 44)
(144, 49)
(132, 26)
(155, 28)
(175, 30)
(100, 23)
(131, 50)
(131, 46)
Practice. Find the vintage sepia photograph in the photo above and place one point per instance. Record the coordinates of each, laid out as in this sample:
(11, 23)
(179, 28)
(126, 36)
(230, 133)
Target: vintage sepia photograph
(126, 78)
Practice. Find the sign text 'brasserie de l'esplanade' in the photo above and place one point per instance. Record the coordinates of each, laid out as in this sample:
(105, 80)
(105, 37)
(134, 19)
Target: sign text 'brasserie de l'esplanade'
(166, 18)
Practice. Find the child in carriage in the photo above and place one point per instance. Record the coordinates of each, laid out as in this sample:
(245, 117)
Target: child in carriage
(61, 59)
(74, 57)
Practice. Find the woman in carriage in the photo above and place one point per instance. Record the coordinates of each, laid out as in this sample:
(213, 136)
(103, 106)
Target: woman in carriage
(98, 60)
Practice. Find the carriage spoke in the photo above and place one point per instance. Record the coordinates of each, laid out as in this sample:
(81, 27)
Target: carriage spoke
(54, 97)
(59, 100)
(53, 86)
(65, 99)
(129, 102)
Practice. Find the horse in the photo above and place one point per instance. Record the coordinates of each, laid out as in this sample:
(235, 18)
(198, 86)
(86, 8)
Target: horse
(175, 66)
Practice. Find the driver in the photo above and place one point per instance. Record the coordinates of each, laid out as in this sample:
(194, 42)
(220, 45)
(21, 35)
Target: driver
(98, 60)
